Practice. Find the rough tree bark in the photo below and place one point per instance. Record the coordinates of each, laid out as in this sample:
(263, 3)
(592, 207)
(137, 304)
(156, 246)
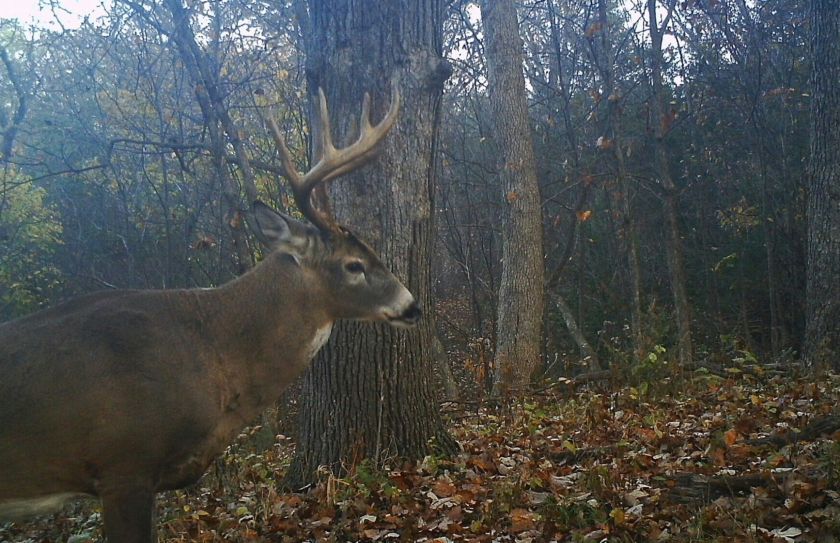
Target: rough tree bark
(822, 330)
(521, 290)
(369, 393)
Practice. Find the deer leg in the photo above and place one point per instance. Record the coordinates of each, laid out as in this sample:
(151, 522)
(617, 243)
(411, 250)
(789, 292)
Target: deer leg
(128, 515)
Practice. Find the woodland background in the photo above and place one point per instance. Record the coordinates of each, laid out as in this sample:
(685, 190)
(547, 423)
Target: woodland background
(107, 180)
(665, 203)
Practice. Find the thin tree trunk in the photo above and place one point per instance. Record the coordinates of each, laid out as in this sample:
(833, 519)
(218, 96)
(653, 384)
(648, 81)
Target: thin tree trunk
(216, 119)
(369, 393)
(674, 245)
(573, 236)
(444, 371)
(769, 252)
(521, 290)
(589, 354)
(615, 141)
(822, 333)
(9, 126)
(676, 264)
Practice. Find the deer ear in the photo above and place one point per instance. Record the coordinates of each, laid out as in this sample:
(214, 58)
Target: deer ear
(278, 231)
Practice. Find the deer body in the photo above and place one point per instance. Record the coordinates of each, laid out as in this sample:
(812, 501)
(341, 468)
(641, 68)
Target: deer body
(175, 375)
(122, 394)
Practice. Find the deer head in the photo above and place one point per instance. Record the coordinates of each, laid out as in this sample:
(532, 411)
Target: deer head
(354, 278)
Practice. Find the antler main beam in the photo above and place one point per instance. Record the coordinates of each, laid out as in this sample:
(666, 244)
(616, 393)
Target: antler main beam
(333, 162)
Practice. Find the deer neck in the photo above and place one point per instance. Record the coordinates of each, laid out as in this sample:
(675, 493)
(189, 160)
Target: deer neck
(272, 319)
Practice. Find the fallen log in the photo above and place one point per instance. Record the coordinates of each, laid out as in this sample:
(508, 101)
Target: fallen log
(693, 488)
(817, 428)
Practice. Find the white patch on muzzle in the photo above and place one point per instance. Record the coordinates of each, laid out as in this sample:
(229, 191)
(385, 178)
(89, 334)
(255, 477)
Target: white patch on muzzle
(404, 301)
(400, 305)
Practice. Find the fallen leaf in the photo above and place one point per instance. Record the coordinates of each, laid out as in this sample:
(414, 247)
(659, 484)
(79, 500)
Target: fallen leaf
(521, 520)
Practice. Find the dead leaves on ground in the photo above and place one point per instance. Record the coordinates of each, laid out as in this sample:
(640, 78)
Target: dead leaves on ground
(680, 463)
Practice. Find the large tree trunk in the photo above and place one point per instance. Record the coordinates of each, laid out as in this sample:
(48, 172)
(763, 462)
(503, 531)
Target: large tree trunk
(521, 292)
(822, 333)
(369, 393)
(674, 244)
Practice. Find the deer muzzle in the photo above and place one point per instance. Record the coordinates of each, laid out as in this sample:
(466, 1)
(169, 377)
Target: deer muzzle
(405, 312)
(410, 316)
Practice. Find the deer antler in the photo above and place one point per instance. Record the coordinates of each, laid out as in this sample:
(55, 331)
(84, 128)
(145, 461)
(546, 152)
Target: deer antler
(332, 162)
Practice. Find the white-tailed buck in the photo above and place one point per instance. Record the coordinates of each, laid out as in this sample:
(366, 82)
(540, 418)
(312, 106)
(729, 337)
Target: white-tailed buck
(125, 393)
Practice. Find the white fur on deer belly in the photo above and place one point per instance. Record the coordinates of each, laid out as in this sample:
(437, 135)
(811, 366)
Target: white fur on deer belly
(21, 509)
(322, 334)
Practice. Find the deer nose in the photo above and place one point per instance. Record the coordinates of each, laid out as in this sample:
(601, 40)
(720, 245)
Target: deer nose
(412, 314)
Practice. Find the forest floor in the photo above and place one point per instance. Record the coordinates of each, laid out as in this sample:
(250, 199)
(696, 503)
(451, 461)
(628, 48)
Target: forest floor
(743, 456)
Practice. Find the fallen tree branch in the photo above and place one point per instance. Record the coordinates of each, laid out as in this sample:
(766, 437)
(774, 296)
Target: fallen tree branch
(574, 457)
(828, 424)
(693, 488)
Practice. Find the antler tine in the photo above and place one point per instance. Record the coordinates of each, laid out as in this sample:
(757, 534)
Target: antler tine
(301, 191)
(285, 155)
(325, 142)
(333, 162)
(367, 132)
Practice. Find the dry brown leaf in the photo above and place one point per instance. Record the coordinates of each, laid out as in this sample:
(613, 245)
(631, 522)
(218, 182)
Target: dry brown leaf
(731, 436)
(444, 489)
(522, 520)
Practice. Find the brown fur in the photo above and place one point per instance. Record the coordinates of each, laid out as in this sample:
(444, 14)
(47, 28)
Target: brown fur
(125, 393)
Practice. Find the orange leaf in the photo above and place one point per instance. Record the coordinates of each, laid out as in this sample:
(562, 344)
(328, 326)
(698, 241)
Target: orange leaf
(718, 457)
(668, 120)
(731, 436)
(584, 216)
(482, 463)
(604, 143)
(236, 220)
(443, 489)
(593, 29)
(521, 520)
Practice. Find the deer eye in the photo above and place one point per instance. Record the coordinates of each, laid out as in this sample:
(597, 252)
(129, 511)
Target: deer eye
(355, 267)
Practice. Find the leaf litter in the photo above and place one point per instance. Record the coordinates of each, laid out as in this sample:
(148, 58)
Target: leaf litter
(708, 459)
